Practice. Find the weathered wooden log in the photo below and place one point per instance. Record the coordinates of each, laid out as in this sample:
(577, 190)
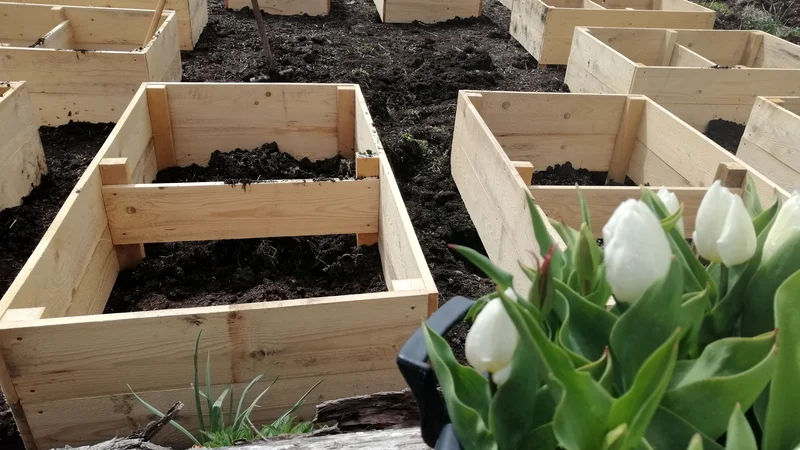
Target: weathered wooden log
(384, 410)
(400, 439)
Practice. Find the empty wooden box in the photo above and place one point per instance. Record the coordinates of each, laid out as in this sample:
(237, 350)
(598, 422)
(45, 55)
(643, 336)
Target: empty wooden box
(502, 139)
(771, 141)
(84, 64)
(545, 28)
(699, 75)
(66, 367)
(22, 161)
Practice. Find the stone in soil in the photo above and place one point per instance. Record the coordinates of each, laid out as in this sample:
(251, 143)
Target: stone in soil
(195, 274)
(726, 134)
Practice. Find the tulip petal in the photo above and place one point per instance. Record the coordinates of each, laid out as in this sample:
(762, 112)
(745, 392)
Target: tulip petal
(672, 204)
(622, 210)
(786, 225)
(491, 341)
(711, 220)
(737, 242)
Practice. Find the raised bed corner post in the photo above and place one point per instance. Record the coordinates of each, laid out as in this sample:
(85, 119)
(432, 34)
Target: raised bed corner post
(731, 174)
(117, 171)
(262, 31)
(626, 138)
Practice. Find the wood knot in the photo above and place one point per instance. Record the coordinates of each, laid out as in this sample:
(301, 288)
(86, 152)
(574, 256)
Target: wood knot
(258, 355)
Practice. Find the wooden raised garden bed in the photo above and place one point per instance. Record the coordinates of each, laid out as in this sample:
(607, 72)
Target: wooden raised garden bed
(502, 140)
(285, 7)
(191, 15)
(84, 64)
(22, 161)
(699, 75)
(545, 28)
(771, 141)
(427, 11)
(66, 366)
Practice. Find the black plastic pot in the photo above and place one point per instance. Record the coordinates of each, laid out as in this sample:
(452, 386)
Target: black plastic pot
(437, 431)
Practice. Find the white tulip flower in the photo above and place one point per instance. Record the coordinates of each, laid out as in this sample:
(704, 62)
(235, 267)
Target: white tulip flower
(491, 341)
(637, 252)
(670, 200)
(724, 231)
(786, 226)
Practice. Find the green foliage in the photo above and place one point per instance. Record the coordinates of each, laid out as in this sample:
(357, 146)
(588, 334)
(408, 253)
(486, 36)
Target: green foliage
(238, 427)
(758, 18)
(676, 369)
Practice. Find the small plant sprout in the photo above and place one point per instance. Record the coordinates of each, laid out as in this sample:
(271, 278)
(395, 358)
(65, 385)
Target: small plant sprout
(213, 428)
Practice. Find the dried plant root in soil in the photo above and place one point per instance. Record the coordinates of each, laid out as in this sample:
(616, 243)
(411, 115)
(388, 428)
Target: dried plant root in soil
(195, 274)
(68, 151)
(726, 134)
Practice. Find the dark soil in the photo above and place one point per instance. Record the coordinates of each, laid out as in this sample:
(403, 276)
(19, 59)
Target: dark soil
(264, 163)
(726, 134)
(566, 175)
(190, 274)
(68, 151)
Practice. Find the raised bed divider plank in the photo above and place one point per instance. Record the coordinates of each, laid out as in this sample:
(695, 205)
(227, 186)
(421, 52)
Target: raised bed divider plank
(632, 135)
(66, 366)
(83, 63)
(711, 74)
(771, 141)
(22, 161)
(545, 27)
(285, 7)
(427, 11)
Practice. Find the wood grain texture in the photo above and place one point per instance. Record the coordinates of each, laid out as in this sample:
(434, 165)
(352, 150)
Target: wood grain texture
(547, 31)
(22, 160)
(402, 439)
(163, 143)
(683, 57)
(429, 11)
(285, 7)
(769, 143)
(146, 213)
(594, 68)
(630, 123)
(346, 117)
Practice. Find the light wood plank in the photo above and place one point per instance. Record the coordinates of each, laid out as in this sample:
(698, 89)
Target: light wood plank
(163, 55)
(668, 49)
(22, 160)
(59, 37)
(769, 143)
(589, 151)
(525, 170)
(777, 53)
(294, 339)
(594, 68)
(118, 171)
(285, 7)
(626, 138)
(176, 212)
(683, 57)
(751, 48)
(300, 118)
(160, 121)
(346, 116)
(731, 174)
(34, 26)
(429, 11)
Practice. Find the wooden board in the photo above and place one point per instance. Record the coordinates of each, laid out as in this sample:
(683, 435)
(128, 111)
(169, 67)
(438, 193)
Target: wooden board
(146, 213)
(285, 7)
(427, 11)
(96, 85)
(547, 31)
(189, 14)
(22, 161)
(770, 142)
(693, 91)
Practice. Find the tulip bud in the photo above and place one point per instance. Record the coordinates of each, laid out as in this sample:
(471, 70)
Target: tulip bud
(670, 200)
(724, 231)
(637, 252)
(492, 340)
(786, 226)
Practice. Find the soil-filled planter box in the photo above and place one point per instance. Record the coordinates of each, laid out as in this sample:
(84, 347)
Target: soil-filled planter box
(191, 15)
(545, 28)
(285, 7)
(503, 139)
(699, 75)
(427, 11)
(84, 64)
(66, 366)
(771, 141)
(22, 161)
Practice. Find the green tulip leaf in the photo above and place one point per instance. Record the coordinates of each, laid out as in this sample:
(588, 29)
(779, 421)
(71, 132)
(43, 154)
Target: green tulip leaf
(542, 438)
(759, 310)
(585, 326)
(503, 279)
(740, 435)
(781, 430)
(647, 324)
(545, 407)
(586, 216)
(602, 371)
(690, 264)
(670, 222)
(637, 406)
(465, 391)
(750, 198)
(615, 439)
(765, 217)
(543, 238)
(583, 405)
(723, 317)
(693, 312)
(601, 291)
(667, 430)
(568, 234)
(586, 259)
(730, 371)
